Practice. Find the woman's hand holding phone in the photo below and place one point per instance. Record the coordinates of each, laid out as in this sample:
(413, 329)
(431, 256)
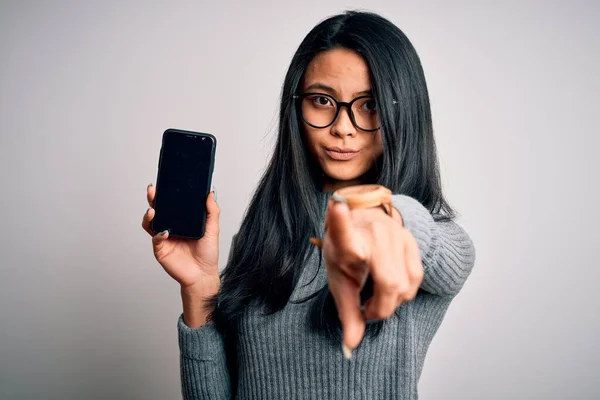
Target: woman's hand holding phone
(193, 263)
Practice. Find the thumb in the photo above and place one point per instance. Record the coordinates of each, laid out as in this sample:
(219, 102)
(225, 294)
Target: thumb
(212, 215)
(341, 232)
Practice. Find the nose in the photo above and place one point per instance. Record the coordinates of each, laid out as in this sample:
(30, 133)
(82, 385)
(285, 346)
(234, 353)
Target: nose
(343, 126)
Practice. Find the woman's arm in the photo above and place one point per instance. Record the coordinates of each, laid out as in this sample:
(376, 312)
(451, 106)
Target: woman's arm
(204, 373)
(447, 251)
(203, 363)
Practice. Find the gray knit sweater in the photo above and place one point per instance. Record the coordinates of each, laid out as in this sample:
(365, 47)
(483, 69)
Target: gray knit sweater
(280, 357)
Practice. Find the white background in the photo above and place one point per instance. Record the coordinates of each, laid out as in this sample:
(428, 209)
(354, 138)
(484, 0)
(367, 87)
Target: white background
(87, 88)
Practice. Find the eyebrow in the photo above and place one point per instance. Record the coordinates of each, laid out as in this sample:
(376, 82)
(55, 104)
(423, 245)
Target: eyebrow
(331, 90)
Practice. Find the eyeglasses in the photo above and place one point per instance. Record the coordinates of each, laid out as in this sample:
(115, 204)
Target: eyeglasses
(320, 110)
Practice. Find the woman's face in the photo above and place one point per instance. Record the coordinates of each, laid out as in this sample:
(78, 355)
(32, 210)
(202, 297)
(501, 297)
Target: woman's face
(343, 151)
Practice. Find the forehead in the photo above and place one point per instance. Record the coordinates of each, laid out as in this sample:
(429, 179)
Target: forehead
(342, 69)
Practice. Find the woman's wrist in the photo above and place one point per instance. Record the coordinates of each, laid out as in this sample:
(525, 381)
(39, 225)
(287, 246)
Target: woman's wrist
(196, 304)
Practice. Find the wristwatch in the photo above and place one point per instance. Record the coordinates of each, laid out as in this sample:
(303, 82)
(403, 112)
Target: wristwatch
(363, 196)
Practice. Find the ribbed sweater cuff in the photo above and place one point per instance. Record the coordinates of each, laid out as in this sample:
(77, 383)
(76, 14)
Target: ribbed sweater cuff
(204, 343)
(419, 222)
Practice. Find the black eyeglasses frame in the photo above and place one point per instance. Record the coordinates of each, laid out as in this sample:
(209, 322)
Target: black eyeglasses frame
(338, 104)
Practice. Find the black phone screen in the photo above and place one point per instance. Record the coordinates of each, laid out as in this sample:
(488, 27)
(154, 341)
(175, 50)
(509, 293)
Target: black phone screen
(183, 183)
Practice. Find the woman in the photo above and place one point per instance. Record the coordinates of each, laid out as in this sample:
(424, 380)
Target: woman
(355, 318)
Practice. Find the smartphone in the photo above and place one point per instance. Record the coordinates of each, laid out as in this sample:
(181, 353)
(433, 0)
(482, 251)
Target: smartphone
(185, 169)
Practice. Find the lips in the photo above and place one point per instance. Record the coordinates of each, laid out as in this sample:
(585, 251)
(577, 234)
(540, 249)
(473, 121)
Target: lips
(340, 154)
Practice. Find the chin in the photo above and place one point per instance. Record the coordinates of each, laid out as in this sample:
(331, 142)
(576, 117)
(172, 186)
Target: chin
(336, 174)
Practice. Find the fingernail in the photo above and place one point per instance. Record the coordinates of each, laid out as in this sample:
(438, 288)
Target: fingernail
(149, 186)
(163, 233)
(213, 188)
(215, 194)
(338, 199)
(347, 352)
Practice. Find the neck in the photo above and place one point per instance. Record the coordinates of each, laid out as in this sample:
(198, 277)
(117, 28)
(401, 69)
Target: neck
(333, 185)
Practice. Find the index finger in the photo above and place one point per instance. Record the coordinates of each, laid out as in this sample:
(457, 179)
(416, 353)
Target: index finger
(346, 294)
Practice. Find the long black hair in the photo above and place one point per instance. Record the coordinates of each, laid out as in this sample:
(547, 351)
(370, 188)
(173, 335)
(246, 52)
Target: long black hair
(272, 245)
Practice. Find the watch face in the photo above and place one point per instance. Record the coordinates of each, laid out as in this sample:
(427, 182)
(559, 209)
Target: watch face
(366, 196)
(363, 196)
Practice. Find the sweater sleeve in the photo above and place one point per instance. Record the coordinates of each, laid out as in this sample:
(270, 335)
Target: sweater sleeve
(203, 362)
(204, 373)
(447, 251)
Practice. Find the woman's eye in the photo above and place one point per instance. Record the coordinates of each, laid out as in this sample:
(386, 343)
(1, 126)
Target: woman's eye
(321, 101)
(370, 105)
